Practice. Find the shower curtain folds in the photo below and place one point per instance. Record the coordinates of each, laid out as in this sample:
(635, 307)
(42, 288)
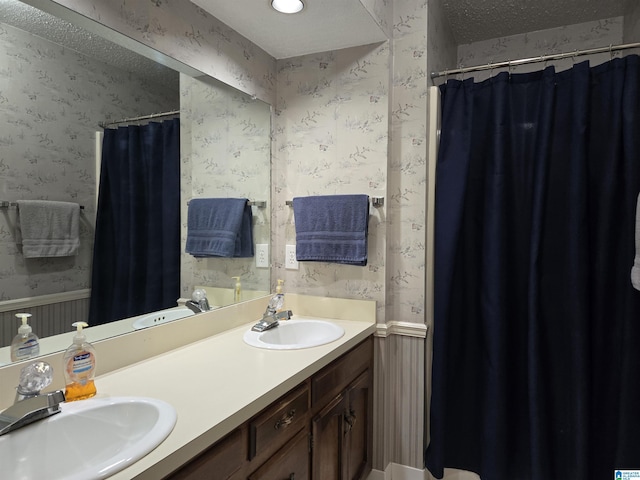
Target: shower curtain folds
(136, 260)
(536, 364)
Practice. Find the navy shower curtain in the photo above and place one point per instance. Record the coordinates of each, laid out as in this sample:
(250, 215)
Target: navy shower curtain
(536, 367)
(136, 257)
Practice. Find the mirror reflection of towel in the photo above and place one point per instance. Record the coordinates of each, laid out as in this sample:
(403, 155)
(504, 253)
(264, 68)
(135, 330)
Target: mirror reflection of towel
(48, 229)
(219, 227)
(332, 228)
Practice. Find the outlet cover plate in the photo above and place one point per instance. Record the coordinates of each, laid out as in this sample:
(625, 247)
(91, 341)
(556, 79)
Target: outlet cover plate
(290, 262)
(262, 255)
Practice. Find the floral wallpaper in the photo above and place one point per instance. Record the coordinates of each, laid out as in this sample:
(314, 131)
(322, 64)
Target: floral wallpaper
(555, 40)
(51, 102)
(225, 146)
(185, 32)
(632, 24)
(331, 137)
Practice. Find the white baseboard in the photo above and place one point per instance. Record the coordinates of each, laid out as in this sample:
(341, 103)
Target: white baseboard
(395, 471)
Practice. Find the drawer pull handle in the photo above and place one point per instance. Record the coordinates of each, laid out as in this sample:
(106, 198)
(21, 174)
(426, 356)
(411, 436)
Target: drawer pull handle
(292, 476)
(285, 420)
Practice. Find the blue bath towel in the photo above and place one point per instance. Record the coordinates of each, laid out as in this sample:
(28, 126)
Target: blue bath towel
(219, 227)
(332, 228)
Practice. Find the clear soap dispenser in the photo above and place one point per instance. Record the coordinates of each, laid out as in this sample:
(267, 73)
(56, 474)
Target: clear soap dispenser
(25, 344)
(277, 301)
(79, 367)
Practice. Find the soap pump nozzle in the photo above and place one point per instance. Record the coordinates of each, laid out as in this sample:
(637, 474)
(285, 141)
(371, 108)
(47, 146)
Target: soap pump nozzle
(25, 328)
(79, 337)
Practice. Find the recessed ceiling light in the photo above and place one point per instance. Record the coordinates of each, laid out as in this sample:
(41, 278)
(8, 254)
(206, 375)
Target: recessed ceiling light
(287, 6)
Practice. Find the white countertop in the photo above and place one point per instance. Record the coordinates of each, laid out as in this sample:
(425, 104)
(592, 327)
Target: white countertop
(215, 385)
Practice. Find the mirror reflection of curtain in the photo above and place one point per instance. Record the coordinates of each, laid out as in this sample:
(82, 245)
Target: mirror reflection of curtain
(136, 258)
(536, 365)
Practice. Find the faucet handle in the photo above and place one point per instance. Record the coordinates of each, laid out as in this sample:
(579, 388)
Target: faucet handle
(35, 377)
(284, 315)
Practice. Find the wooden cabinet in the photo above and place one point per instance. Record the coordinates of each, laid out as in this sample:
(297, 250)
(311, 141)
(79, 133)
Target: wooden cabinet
(270, 429)
(320, 430)
(218, 463)
(291, 462)
(342, 434)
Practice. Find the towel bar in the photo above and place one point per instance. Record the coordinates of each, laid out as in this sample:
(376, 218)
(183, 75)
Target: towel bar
(251, 203)
(375, 202)
(6, 204)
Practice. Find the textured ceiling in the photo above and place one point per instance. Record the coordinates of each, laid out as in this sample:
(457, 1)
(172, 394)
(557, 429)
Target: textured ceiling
(323, 25)
(475, 20)
(330, 24)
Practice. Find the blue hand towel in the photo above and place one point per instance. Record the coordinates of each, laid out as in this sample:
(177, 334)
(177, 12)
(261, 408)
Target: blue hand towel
(332, 228)
(219, 227)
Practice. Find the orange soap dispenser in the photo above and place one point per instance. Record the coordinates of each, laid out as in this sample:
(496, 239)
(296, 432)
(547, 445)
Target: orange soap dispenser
(79, 367)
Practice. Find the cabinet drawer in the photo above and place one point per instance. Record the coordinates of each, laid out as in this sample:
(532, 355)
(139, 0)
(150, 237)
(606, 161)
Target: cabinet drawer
(274, 426)
(219, 462)
(335, 377)
(290, 462)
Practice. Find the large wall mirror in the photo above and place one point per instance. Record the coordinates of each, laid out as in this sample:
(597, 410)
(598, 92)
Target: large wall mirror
(58, 83)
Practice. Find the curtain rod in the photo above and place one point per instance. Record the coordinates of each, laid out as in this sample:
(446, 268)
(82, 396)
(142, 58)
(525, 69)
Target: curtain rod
(542, 58)
(143, 117)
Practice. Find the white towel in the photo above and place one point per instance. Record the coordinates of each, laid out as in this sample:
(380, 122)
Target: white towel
(48, 229)
(635, 270)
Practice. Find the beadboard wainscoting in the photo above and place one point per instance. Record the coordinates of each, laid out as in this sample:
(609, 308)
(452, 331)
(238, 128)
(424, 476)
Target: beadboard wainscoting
(50, 314)
(399, 386)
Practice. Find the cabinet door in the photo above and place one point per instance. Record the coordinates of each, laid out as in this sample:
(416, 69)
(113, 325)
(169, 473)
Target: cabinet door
(328, 431)
(291, 462)
(358, 438)
(220, 462)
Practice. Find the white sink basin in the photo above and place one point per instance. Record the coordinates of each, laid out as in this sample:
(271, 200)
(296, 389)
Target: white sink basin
(90, 439)
(295, 334)
(163, 316)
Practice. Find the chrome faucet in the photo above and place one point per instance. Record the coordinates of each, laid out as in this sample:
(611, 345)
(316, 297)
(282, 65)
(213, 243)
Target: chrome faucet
(197, 307)
(30, 405)
(198, 302)
(271, 319)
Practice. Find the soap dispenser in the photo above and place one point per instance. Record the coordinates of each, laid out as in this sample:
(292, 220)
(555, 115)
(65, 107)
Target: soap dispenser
(25, 344)
(79, 367)
(237, 292)
(277, 302)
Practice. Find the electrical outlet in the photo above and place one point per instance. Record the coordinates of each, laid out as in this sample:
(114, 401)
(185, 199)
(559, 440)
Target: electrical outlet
(290, 262)
(262, 255)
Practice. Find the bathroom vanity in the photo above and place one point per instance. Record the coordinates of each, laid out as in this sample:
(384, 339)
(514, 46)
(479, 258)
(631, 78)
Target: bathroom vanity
(244, 411)
(229, 396)
(320, 429)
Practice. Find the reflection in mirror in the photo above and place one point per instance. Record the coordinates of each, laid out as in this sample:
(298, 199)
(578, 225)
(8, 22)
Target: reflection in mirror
(225, 141)
(52, 98)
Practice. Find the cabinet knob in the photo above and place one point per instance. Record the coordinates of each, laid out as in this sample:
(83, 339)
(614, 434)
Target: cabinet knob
(285, 420)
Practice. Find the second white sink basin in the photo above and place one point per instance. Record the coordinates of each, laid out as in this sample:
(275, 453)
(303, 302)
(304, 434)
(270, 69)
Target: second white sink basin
(89, 440)
(295, 334)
